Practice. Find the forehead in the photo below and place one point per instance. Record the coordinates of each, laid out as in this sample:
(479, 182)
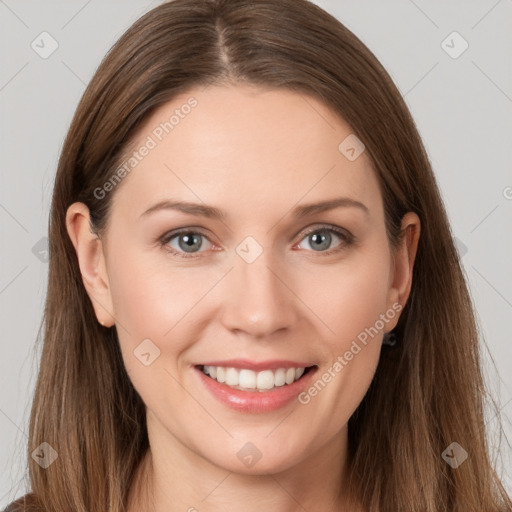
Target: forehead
(247, 148)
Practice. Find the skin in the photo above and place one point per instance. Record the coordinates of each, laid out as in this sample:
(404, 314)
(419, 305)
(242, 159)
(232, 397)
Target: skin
(256, 154)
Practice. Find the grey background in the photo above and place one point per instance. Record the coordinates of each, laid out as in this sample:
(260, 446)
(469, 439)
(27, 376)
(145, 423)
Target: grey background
(462, 108)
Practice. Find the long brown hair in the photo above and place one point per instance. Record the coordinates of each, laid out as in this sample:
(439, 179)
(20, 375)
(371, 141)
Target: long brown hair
(428, 390)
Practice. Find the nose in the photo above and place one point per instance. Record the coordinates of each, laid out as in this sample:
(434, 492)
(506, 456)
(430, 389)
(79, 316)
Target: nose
(258, 298)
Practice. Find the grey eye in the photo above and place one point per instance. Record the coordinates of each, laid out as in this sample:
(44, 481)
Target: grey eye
(187, 242)
(321, 239)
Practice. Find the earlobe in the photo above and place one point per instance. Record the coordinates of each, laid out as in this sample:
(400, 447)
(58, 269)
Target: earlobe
(89, 250)
(403, 261)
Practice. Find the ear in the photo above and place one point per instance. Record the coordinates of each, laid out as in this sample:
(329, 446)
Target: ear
(91, 260)
(403, 263)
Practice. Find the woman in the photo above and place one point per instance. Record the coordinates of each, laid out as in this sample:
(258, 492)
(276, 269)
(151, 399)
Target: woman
(254, 299)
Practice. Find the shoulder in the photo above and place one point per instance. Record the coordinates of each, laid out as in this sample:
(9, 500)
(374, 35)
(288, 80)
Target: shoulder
(13, 507)
(27, 503)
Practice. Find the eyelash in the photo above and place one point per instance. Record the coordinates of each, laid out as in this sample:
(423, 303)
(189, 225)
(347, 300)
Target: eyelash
(346, 237)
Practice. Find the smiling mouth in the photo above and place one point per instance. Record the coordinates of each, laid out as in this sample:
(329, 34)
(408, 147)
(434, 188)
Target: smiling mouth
(250, 380)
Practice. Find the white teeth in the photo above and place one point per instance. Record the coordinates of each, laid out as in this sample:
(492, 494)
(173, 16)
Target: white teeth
(221, 374)
(265, 380)
(232, 377)
(290, 375)
(280, 377)
(250, 380)
(247, 379)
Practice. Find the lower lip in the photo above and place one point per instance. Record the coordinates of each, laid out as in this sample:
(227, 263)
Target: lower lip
(256, 401)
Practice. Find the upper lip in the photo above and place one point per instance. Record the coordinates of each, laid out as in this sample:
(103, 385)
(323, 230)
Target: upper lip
(272, 364)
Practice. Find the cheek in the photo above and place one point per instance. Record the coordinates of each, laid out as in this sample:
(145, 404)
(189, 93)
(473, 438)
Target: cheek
(349, 297)
(152, 299)
(352, 305)
(155, 300)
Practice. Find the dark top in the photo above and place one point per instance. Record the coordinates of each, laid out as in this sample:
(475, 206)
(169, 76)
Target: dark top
(17, 505)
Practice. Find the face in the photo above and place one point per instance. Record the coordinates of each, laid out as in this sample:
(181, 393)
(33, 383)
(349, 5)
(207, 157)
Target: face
(245, 245)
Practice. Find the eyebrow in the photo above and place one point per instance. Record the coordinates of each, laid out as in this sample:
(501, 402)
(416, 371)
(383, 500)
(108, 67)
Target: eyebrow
(203, 210)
